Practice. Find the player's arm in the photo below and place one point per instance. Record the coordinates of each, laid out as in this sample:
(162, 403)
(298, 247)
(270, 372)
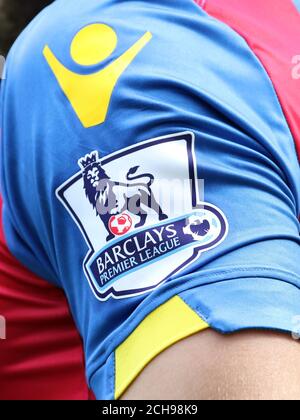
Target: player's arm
(255, 365)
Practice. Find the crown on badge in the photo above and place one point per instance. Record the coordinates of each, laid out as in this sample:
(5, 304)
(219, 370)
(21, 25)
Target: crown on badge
(89, 160)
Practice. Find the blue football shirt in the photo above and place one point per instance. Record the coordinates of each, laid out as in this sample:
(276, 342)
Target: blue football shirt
(148, 170)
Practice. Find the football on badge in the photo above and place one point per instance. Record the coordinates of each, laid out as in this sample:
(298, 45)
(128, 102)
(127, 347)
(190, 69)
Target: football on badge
(120, 225)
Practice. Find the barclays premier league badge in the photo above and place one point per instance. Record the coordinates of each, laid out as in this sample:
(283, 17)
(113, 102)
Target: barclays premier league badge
(141, 215)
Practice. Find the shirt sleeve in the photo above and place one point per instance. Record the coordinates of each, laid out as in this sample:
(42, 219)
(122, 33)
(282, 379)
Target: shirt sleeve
(165, 171)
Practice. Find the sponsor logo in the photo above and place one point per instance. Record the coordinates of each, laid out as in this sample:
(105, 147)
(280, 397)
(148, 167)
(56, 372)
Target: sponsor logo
(90, 94)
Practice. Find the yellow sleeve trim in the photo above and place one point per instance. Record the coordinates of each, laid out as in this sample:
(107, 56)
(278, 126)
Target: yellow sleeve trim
(168, 324)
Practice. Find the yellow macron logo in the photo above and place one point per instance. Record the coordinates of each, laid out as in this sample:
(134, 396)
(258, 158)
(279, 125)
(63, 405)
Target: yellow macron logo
(90, 94)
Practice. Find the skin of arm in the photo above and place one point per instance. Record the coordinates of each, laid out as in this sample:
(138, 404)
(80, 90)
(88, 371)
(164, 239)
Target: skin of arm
(251, 365)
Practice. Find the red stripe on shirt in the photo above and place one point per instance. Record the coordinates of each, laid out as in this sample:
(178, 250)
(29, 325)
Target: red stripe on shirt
(42, 356)
(272, 30)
